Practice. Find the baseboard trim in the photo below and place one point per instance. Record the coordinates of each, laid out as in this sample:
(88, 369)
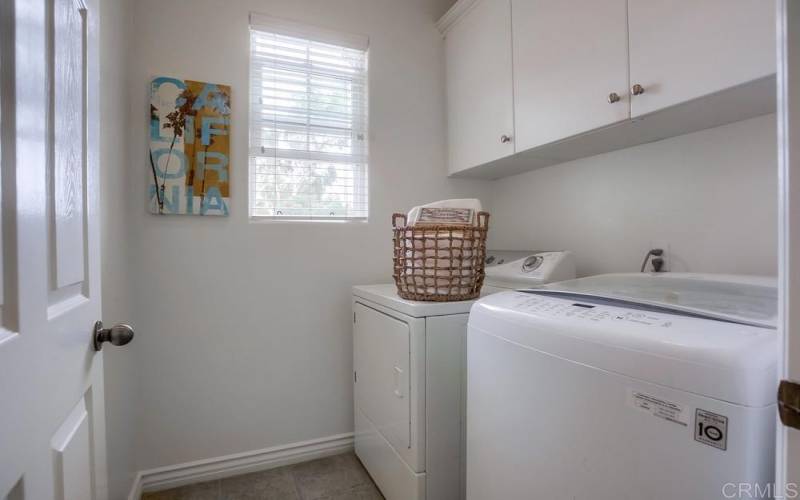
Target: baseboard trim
(136, 488)
(172, 476)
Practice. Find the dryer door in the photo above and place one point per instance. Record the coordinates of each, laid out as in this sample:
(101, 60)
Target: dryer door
(386, 388)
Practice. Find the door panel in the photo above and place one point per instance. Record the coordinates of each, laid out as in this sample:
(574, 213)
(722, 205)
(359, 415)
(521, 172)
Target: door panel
(68, 146)
(383, 388)
(568, 57)
(73, 456)
(52, 424)
(67, 167)
(479, 88)
(677, 54)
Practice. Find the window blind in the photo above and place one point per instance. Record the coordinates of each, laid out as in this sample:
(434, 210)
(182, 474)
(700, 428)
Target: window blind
(308, 123)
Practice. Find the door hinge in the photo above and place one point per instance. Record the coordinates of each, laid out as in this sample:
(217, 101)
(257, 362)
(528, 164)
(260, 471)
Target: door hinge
(355, 377)
(354, 316)
(789, 403)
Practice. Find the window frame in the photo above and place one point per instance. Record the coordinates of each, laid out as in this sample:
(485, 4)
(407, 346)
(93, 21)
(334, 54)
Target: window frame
(273, 25)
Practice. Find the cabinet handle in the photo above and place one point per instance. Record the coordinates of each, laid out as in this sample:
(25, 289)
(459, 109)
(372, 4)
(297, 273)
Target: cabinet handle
(505, 139)
(637, 89)
(613, 97)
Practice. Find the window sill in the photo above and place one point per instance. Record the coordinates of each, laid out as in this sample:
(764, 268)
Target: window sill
(288, 220)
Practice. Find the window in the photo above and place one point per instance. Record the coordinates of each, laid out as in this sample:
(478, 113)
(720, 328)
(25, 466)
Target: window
(308, 122)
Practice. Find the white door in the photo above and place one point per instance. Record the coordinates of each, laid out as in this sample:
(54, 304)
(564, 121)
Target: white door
(480, 105)
(52, 435)
(678, 55)
(389, 360)
(788, 441)
(569, 58)
(383, 389)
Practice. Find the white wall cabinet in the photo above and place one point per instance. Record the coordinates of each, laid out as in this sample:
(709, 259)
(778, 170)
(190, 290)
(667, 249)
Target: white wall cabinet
(685, 49)
(569, 57)
(480, 120)
(566, 81)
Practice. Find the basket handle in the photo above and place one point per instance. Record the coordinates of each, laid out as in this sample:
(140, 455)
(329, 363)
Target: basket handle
(398, 216)
(483, 220)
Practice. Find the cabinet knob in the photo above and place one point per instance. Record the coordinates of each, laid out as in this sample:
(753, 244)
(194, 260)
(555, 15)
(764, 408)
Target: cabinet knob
(505, 139)
(613, 97)
(637, 89)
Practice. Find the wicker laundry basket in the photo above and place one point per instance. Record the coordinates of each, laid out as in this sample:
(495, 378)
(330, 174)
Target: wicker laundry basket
(439, 263)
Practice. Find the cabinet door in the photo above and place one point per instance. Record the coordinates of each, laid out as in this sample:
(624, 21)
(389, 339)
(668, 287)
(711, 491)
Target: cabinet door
(684, 49)
(569, 56)
(479, 100)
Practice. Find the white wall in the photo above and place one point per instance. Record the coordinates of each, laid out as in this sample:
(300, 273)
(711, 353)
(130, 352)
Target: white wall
(710, 198)
(121, 365)
(244, 329)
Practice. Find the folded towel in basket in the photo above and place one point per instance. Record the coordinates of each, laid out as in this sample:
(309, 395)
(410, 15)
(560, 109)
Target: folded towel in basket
(462, 212)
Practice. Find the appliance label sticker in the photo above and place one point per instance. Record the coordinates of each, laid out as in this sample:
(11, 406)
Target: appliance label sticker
(658, 407)
(711, 429)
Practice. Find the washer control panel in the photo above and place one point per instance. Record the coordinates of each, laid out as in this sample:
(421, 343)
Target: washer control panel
(549, 306)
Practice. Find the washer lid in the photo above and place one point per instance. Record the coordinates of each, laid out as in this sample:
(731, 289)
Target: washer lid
(749, 300)
(719, 359)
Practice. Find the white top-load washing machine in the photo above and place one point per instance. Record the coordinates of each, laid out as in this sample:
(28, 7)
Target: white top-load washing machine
(623, 387)
(409, 361)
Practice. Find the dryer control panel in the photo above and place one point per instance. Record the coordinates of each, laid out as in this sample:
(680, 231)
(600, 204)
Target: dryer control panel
(530, 270)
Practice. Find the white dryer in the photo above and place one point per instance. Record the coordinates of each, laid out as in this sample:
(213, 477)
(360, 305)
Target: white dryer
(623, 387)
(409, 378)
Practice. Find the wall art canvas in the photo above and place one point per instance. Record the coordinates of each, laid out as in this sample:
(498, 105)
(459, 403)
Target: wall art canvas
(189, 147)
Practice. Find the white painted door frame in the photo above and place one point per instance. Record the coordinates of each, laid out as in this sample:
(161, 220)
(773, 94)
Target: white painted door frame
(788, 43)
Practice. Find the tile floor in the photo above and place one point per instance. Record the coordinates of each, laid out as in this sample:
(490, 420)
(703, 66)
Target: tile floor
(341, 477)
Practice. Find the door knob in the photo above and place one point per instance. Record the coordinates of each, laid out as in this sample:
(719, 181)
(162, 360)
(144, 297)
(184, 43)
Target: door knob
(119, 334)
(637, 89)
(613, 97)
(505, 139)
